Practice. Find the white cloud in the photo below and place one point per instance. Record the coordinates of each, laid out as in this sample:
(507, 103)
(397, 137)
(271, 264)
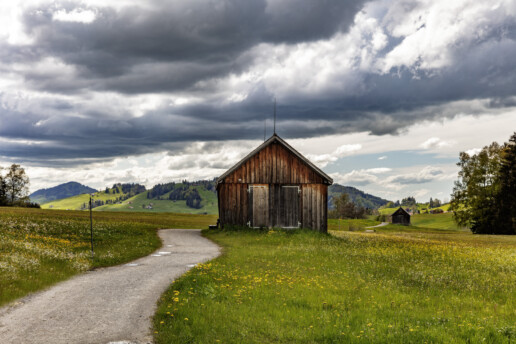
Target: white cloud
(76, 15)
(427, 174)
(435, 142)
(473, 151)
(433, 30)
(418, 194)
(382, 157)
(355, 178)
(322, 160)
(379, 170)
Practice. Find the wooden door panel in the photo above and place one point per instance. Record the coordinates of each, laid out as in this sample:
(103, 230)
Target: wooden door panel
(289, 207)
(260, 205)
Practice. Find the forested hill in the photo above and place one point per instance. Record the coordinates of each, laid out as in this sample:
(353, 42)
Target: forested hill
(356, 196)
(59, 192)
(197, 197)
(191, 192)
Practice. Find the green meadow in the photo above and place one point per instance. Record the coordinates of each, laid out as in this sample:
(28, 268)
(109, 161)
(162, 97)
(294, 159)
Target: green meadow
(39, 248)
(421, 207)
(397, 285)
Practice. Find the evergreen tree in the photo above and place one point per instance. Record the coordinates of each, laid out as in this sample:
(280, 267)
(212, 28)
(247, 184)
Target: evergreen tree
(3, 190)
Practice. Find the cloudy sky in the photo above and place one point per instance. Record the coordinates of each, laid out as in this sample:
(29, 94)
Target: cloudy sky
(383, 95)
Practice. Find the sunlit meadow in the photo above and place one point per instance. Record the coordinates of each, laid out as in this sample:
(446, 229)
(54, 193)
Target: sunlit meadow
(41, 247)
(397, 285)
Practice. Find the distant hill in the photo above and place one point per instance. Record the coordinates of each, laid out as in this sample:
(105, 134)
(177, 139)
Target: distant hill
(113, 195)
(61, 191)
(358, 197)
(197, 197)
(187, 197)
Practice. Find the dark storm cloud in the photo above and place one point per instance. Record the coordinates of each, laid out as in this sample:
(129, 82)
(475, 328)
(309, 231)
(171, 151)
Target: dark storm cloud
(175, 45)
(188, 47)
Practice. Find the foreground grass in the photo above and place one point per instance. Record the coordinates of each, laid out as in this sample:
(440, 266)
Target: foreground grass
(41, 247)
(398, 285)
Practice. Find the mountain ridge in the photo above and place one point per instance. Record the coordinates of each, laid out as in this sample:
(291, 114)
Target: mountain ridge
(359, 197)
(59, 192)
(185, 197)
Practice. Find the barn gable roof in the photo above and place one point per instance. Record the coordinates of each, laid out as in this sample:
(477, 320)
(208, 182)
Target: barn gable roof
(400, 211)
(272, 139)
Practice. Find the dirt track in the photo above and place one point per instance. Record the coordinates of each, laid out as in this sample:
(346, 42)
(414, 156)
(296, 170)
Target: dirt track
(106, 305)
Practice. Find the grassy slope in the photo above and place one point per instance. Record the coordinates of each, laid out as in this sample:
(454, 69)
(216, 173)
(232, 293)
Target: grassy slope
(70, 203)
(209, 204)
(438, 221)
(421, 207)
(39, 248)
(75, 202)
(399, 285)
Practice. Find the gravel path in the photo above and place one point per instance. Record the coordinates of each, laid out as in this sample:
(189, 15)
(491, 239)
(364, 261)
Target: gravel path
(380, 225)
(107, 305)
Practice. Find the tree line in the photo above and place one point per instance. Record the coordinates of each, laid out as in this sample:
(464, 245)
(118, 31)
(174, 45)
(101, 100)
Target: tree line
(484, 196)
(344, 208)
(14, 187)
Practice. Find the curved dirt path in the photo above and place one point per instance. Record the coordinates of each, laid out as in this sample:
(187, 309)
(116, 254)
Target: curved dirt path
(380, 225)
(107, 305)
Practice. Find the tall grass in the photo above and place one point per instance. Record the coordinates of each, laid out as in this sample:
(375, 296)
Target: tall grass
(387, 287)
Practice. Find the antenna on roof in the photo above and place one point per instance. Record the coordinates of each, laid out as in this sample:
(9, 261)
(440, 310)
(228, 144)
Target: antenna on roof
(274, 115)
(264, 128)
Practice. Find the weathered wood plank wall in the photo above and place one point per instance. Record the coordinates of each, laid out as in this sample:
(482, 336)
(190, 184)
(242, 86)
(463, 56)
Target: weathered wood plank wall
(276, 167)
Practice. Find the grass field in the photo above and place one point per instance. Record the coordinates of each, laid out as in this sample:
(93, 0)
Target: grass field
(41, 247)
(398, 285)
(436, 221)
(421, 207)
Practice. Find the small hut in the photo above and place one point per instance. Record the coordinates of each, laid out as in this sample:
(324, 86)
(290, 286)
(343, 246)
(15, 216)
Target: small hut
(400, 217)
(274, 186)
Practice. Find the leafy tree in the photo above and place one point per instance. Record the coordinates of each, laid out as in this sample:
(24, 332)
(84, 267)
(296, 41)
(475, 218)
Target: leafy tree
(507, 196)
(344, 208)
(16, 184)
(474, 199)
(408, 202)
(434, 203)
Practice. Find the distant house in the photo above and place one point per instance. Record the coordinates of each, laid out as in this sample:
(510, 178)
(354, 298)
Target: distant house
(274, 186)
(400, 216)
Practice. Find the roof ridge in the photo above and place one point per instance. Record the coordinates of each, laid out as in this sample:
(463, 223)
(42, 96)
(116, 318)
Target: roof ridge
(275, 137)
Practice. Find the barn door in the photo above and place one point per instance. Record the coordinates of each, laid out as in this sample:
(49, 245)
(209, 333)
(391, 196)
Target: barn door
(259, 205)
(289, 207)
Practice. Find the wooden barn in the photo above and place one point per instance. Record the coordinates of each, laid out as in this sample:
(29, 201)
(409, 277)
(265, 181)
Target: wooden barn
(400, 217)
(274, 186)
